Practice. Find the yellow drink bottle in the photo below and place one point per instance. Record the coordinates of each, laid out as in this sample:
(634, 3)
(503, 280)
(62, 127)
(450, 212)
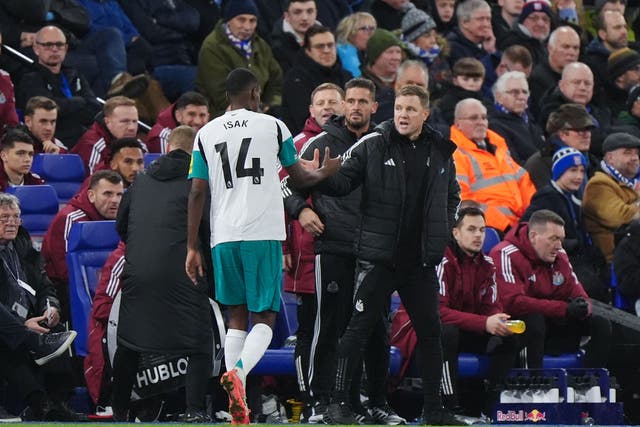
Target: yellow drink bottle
(516, 326)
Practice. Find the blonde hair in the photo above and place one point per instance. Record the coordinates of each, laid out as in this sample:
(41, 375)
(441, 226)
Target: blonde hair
(348, 26)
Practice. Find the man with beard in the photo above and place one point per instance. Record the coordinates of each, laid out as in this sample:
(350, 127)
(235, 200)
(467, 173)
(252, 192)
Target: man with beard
(612, 35)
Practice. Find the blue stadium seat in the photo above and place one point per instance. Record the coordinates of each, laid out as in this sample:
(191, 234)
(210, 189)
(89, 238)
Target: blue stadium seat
(38, 205)
(150, 157)
(64, 172)
(491, 238)
(620, 301)
(90, 243)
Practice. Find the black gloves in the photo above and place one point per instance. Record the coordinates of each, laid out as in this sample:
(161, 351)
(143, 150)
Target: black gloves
(577, 308)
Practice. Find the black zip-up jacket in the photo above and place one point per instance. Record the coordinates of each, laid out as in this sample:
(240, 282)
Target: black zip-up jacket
(377, 163)
(340, 215)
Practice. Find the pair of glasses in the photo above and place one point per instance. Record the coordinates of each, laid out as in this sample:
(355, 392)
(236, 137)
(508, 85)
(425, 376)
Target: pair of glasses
(323, 46)
(51, 45)
(8, 219)
(367, 28)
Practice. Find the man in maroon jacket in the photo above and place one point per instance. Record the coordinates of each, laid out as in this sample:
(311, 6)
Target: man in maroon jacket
(99, 202)
(536, 283)
(16, 152)
(190, 109)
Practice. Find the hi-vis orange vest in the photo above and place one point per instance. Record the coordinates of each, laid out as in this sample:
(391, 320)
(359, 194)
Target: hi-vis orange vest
(501, 186)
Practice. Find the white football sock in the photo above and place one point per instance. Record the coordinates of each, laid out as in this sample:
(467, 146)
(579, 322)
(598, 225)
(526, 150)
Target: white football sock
(233, 344)
(255, 345)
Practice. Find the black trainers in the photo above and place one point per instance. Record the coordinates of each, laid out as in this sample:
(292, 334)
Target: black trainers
(196, 417)
(340, 414)
(386, 415)
(362, 415)
(440, 417)
(316, 414)
(52, 345)
(61, 412)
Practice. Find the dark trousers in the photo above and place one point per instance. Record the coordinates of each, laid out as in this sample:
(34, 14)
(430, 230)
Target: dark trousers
(555, 336)
(306, 312)
(502, 352)
(418, 289)
(12, 332)
(125, 366)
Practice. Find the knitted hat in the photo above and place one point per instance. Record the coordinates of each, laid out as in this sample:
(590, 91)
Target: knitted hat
(380, 41)
(415, 23)
(620, 61)
(619, 140)
(564, 159)
(634, 94)
(569, 116)
(535, 6)
(234, 8)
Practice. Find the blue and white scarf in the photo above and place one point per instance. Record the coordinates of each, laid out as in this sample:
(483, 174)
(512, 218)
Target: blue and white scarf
(244, 46)
(524, 116)
(633, 183)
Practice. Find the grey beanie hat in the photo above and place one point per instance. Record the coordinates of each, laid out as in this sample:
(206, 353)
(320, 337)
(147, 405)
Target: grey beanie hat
(416, 22)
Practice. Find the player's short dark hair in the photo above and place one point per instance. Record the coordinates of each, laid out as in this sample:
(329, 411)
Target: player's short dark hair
(111, 176)
(518, 54)
(191, 98)
(542, 217)
(36, 102)
(12, 136)
(314, 30)
(413, 90)
(467, 211)
(121, 143)
(362, 83)
(240, 80)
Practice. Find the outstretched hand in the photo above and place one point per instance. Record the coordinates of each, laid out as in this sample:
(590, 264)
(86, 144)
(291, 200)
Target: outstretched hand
(312, 164)
(330, 165)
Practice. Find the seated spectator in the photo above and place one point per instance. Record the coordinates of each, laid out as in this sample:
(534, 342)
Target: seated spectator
(570, 126)
(563, 196)
(612, 34)
(288, 38)
(563, 48)
(8, 114)
(422, 40)
(509, 116)
(353, 33)
(190, 109)
(532, 29)
(384, 55)
(16, 152)
(412, 72)
(611, 196)
(622, 74)
(233, 44)
(470, 311)
(167, 26)
(76, 101)
(444, 13)
(576, 86)
(536, 283)
(468, 74)
(119, 120)
(631, 115)
(98, 202)
(514, 58)
(40, 119)
(96, 370)
(317, 63)
(31, 330)
(504, 16)
(626, 264)
(326, 100)
(485, 171)
(473, 37)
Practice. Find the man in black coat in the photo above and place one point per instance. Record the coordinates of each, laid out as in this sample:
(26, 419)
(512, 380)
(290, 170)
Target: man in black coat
(161, 311)
(409, 199)
(317, 63)
(288, 33)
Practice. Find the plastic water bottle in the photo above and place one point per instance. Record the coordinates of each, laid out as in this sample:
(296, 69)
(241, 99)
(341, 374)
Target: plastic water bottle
(516, 326)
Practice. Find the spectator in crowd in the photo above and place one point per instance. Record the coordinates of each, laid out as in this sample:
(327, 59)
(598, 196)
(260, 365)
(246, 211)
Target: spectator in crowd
(326, 100)
(119, 120)
(317, 63)
(570, 126)
(514, 58)
(631, 115)
(16, 152)
(384, 56)
(98, 202)
(412, 72)
(444, 13)
(40, 119)
(332, 220)
(97, 372)
(509, 116)
(563, 48)
(473, 37)
(260, 232)
(167, 26)
(8, 114)
(485, 170)
(70, 90)
(563, 196)
(287, 38)
(626, 263)
(576, 86)
(127, 158)
(397, 228)
(536, 283)
(352, 34)
(532, 29)
(504, 16)
(421, 39)
(623, 73)
(388, 13)
(233, 44)
(611, 196)
(612, 35)
(190, 109)
(468, 74)
(30, 327)
(163, 296)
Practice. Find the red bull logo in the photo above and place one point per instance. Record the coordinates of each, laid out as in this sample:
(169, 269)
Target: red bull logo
(536, 416)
